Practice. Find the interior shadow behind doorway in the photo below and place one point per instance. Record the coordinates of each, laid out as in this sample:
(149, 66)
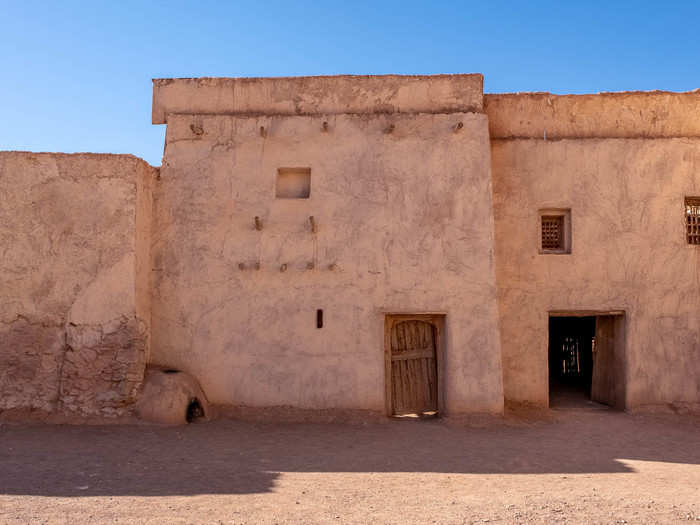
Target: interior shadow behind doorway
(571, 346)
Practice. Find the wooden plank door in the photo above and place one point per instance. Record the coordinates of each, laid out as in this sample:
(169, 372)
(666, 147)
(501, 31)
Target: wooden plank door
(413, 367)
(603, 381)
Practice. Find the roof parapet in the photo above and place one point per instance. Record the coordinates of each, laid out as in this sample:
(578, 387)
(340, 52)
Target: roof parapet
(324, 95)
(632, 114)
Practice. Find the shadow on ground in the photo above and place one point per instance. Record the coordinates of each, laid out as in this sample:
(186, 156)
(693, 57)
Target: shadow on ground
(239, 457)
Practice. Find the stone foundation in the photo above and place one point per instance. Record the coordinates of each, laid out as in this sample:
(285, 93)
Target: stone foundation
(103, 368)
(30, 364)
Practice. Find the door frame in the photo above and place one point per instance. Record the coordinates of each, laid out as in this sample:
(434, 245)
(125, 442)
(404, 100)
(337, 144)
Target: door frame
(619, 371)
(437, 320)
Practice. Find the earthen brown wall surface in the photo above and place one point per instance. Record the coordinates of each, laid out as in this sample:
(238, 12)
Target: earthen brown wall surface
(94, 248)
(74, 306)
(404, 215)
(629, 252)
(317, 95)
(657, 114)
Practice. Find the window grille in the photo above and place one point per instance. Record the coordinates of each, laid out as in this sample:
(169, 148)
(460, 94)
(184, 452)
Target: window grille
(552, 232)
(692, 219)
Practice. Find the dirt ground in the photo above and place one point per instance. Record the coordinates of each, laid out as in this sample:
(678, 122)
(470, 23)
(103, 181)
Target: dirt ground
(572, 467)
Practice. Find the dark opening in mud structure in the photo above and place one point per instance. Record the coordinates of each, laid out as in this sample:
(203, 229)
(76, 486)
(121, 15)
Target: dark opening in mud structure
(194, 410)
(170, 371)
(571, 341)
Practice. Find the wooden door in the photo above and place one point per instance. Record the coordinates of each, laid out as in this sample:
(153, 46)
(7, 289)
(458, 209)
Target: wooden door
(414, 378)
(603, 380)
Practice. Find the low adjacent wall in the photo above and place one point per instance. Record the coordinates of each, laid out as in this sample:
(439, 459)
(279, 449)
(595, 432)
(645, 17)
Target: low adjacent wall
(74, 278)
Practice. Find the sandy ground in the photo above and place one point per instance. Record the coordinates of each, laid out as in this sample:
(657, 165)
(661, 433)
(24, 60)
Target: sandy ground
(573, 467)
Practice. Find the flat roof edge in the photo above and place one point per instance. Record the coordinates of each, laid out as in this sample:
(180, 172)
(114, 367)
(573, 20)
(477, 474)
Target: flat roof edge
(318, 95)
(534, 94)
(305, 77)
(626, 114)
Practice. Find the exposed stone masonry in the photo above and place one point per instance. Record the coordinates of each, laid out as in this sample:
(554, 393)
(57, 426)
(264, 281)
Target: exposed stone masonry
(74, 316)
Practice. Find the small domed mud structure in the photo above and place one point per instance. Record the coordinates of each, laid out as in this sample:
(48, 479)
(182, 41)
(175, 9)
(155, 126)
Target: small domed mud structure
(171, 397)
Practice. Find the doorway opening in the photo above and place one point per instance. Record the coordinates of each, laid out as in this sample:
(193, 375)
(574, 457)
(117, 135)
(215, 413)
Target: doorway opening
(413, 363)
(586, 368)
(571, 341)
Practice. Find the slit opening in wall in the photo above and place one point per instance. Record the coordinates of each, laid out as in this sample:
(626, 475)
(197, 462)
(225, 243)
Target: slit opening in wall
(293, 183)
(319, 318)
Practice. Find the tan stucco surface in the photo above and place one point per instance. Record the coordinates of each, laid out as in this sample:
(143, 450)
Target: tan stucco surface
(658, 114)
(405, 217)
(629, 252)
(425, 196)
(73, 322)
(317, 95)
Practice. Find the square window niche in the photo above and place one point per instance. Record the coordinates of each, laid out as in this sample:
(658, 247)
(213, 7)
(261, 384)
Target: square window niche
(555, 230)
(293, 183)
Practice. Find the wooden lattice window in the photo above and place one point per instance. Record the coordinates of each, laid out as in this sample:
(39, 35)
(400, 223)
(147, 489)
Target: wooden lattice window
(552, 232)
(555, 231)
(692, 219)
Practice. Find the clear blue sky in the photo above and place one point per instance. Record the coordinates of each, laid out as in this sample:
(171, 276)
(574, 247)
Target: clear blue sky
(76, 76)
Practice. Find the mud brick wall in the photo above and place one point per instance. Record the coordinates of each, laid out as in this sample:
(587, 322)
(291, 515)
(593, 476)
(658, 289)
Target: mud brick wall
(74, 307)
(629, 252)
(400, 191)
(623, 163)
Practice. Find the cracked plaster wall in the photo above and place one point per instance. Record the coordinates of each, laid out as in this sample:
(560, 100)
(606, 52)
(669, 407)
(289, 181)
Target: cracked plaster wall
(74, 265)
(406, 216)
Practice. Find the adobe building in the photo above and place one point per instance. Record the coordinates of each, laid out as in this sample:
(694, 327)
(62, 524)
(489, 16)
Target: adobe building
(395, 244)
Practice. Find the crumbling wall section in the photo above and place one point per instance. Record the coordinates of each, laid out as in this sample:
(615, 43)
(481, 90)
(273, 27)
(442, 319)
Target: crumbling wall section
(74, 321)
(30, 363)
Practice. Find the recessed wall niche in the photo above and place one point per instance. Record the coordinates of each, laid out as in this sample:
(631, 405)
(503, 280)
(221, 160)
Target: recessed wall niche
(293, 183)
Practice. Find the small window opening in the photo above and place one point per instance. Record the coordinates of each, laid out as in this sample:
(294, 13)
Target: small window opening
(293, 183)
(552, 232)
(194, 410)
(319, 318)
(555, 231)
(170, 371)
(692, 219)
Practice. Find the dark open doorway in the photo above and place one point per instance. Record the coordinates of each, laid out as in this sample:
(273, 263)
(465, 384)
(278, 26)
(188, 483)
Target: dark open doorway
(571, 341)
(586, 359)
